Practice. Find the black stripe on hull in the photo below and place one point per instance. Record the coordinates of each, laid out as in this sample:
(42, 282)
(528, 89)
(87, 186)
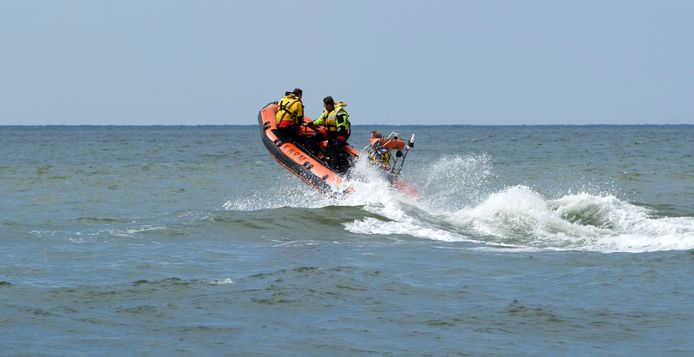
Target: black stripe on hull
(299, 170)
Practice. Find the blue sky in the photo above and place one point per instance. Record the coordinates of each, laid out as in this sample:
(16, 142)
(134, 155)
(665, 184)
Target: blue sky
(394, 62)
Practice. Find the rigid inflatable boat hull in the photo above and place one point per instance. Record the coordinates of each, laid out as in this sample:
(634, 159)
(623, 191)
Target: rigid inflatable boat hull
(295, 158)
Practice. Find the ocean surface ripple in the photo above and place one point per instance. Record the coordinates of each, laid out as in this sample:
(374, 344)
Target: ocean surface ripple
(193, 241)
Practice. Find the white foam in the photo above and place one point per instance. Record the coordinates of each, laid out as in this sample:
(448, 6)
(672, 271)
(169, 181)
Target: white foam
(145, 228)
(521, 216)
(376, 196)
(516, 217)
(299, 196)
(226, 281)
(407, 227)
(458, 204)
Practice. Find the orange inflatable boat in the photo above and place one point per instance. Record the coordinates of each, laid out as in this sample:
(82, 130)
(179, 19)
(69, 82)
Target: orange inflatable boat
(309, 166)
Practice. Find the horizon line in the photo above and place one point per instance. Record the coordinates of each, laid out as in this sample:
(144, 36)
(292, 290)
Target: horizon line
(354, 125)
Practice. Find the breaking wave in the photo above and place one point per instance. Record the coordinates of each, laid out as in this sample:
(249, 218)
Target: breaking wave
(458, 203)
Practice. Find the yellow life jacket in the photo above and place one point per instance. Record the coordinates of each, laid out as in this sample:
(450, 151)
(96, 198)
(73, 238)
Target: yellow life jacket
(336, 119)
(289, 109)
(380, 155)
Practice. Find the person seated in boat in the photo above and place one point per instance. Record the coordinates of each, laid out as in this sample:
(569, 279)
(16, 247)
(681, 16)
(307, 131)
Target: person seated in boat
(290, 116)
(335, 125)
(378, 154)
(335, 121)
(379, 150)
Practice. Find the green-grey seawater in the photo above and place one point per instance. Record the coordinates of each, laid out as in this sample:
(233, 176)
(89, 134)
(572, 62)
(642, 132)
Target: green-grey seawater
(528, 240)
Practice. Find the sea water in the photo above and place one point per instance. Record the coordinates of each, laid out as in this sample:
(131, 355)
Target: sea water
(524, 241)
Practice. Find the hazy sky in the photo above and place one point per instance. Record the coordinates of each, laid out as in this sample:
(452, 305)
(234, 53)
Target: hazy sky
(409, 62)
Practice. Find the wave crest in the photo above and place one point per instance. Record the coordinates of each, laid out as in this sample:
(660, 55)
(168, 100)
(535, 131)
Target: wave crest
(459, 202)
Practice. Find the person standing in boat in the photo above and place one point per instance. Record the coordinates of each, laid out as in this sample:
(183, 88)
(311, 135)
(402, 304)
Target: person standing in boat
(290, 116)
(334, 122)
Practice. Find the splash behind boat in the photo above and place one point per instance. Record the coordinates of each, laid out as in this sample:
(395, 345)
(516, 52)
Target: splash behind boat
(309, 165)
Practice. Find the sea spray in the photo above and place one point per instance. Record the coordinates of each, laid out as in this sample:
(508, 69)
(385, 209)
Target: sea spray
(459, 201)
(522, 217)
(455, 181)
(455, 208)
(283, 268)
(291, 194)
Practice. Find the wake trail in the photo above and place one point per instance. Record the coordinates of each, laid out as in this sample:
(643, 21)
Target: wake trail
(460, 202)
